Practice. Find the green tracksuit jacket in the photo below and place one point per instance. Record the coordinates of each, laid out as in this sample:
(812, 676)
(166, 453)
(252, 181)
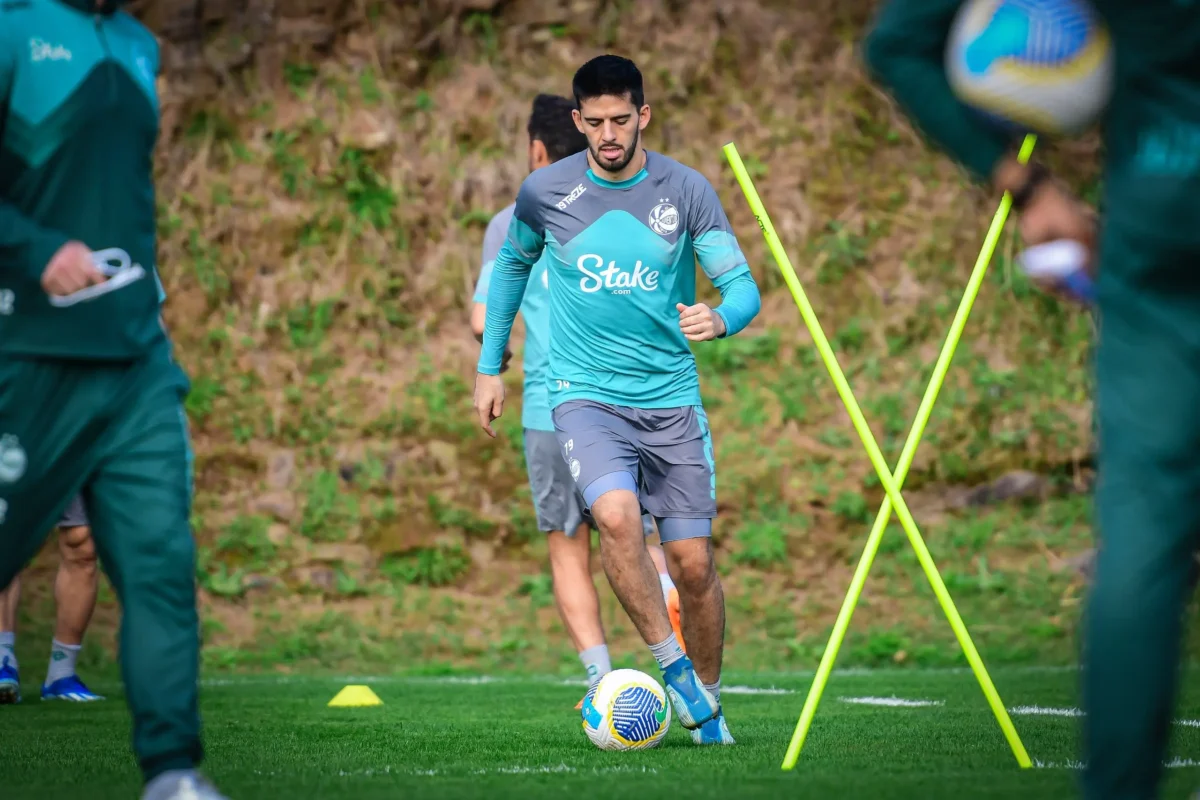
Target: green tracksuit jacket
(78, 126)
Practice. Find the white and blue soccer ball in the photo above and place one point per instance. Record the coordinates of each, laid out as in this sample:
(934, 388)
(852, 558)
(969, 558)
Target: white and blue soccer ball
(1034, 65)
(626, 710)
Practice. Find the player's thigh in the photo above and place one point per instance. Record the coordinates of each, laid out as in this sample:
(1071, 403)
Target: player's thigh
(557, 502)
(140, 497)
(1148, 420)
(597, 443)
(45, 457)
(678, 471)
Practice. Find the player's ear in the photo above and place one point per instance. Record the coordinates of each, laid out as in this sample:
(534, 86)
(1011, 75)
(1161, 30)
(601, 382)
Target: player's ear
(643, 117)
(538, 157)
(575, 115)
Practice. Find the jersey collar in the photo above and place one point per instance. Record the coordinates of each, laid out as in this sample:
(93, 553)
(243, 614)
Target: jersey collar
(625, 184)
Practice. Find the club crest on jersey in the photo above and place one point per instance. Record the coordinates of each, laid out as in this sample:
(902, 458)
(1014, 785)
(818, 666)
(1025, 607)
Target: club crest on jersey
(614, 279)
(12, 459)
(664, 218)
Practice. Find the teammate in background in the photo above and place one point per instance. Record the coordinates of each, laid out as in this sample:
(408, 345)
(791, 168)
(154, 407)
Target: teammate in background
(623, 229)
(75, 599)
(1147, 357)
(91, 400)
(556, 500)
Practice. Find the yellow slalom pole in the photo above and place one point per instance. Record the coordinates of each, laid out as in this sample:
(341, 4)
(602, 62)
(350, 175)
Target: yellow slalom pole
(813, 699)
(881, 469)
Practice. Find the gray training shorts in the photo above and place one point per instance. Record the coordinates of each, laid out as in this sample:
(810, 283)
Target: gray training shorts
(75, 515)
(665, 456)
(556, 500)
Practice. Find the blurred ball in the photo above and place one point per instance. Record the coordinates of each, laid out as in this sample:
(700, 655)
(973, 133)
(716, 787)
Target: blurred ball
(1031, 65)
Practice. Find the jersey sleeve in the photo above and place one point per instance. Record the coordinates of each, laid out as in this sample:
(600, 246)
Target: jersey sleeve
(905, 53)
(510, 275)
(24, 245)
(493, 240)
(717, 249)
(721, 258)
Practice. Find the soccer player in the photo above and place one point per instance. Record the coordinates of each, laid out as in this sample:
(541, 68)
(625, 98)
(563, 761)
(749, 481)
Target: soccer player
(91, 400)
(1147, 359)
(623, 228)
(75, 597)
(556, 499)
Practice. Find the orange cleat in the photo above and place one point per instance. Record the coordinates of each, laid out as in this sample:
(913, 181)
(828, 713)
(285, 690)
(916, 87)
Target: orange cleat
(579, 705)
(673, 613)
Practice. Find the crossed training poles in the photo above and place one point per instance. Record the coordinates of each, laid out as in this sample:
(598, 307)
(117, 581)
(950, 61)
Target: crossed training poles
(891, 483)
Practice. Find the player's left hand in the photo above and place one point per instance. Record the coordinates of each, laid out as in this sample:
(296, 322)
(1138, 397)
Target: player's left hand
(699, 323)
(489, 400)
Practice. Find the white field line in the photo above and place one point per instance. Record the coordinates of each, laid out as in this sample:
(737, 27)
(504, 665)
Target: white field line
(1041, 711)
(891, 702)
(549, 769)
(1070, 763)
(754, 690)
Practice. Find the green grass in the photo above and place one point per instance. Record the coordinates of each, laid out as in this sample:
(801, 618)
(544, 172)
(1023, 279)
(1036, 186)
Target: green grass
(457, 737)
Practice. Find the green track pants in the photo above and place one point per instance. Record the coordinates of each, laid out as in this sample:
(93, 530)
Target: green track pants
(116, 432)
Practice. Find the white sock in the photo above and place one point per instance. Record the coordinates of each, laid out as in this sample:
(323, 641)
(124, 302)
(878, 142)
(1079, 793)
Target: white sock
(667, 584)
(667, 652)
(596, 662)
(62, 661)
(714, 689)
(8, 643)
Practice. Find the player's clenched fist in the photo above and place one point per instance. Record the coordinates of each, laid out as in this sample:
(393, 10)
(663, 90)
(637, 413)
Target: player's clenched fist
(699, 323)
(70, 270)
(489, 400)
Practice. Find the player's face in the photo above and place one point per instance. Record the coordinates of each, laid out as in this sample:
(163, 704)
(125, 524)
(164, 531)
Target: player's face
(612, 125)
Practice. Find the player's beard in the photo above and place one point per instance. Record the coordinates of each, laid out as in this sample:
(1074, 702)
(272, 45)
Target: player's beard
(625, 159)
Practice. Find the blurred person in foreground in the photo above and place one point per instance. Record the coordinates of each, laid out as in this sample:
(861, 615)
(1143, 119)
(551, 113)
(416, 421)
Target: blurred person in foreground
(75, 587)
(623, 229)
(91, 399)
(1146, 263)
(557, 501)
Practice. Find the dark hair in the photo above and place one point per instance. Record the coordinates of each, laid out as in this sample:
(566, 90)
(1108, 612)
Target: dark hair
(608, 74)
(551, 123)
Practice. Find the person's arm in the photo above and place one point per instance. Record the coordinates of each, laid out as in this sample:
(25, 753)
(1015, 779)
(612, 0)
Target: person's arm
(24, 244)
(720, 256)
(493, 239)
(510, 276)
(905, 52)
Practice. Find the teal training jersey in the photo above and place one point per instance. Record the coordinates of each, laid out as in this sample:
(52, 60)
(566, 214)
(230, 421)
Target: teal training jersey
(620, 256)
(535, 310)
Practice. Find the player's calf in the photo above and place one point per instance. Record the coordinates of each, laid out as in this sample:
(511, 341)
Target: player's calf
(702, 600)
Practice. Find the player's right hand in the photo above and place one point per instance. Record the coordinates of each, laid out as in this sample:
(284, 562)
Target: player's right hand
(1053, 214)
(70, 270)
(489, 400)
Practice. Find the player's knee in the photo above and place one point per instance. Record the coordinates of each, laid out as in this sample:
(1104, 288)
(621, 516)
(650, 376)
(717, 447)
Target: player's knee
(77, 547)
(695, 568)
(617, 515)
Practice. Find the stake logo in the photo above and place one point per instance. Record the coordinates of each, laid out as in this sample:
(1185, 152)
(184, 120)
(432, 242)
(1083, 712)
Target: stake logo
(614, 279)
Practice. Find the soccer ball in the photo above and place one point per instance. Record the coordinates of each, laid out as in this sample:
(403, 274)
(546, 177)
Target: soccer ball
(626, 710)
(1032, 65)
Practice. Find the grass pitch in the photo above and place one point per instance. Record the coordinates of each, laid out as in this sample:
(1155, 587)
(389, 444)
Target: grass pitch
(900, 734)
